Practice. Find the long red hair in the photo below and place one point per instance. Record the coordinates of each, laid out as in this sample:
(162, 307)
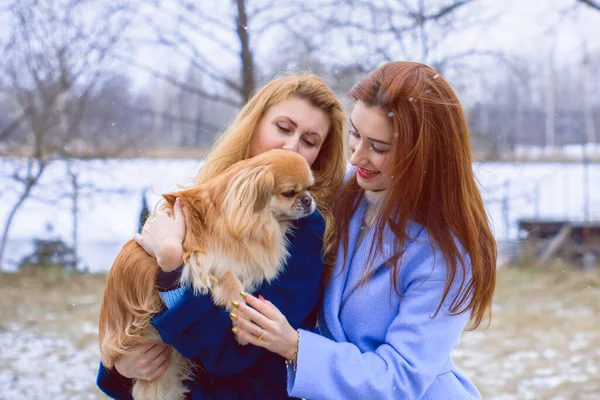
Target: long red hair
(433, 182)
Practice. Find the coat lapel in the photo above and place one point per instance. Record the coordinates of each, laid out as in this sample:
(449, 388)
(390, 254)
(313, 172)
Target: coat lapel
(332, 300)
(362, 258)
(387, 252)
(356, 261)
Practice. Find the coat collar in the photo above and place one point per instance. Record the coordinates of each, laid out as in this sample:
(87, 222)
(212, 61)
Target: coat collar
(356, 260)
(333, 293)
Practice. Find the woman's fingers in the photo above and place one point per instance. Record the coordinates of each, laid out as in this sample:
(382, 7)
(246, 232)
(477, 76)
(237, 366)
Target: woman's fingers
(159, 365)
(152, 359)
(161, 369)
(264, 307)
(154, 352)
(144, 348)
(255, 316)
(248, 326)
(248, 337)
(166, 350)
(178, 210)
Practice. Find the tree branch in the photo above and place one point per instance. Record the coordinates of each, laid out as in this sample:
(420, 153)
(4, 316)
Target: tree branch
(13, 125)
(177, 83)
(591, 3)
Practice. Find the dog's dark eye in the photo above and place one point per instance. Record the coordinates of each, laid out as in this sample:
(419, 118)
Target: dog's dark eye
(289, 193)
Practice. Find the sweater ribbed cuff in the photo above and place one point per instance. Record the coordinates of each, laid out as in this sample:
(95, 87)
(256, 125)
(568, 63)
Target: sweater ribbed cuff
(172, 297)
(168, 281)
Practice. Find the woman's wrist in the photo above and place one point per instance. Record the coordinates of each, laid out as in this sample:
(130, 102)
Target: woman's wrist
(170, 256)
(291, 356)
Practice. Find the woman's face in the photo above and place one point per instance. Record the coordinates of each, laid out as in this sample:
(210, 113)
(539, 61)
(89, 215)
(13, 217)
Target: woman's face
(371, 137)
(294, 124)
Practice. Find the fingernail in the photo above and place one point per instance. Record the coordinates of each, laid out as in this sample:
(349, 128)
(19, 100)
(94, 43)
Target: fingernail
(177, 200)
(234, 330)
(243, 294)
(235, 303)
(260, 297)
(232, 316)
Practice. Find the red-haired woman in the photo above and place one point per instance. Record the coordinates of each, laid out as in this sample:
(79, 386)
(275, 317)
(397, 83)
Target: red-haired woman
(416, 259)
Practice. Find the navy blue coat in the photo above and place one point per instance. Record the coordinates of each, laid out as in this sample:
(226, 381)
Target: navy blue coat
(201, 331)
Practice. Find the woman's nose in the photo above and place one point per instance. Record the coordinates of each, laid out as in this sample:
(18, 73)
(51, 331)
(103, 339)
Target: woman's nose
(291, 143)
(357, 155)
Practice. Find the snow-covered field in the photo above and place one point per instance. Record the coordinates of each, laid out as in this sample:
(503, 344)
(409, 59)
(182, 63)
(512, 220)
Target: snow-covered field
(543, 343)
(111, 192)
(48, 335)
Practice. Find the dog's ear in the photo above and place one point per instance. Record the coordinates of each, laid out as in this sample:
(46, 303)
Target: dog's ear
(265, 184)
(248, 193)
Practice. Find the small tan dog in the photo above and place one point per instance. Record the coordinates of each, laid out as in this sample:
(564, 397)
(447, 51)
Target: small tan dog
(235, 239)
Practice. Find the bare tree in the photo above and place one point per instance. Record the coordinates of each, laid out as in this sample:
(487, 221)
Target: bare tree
(374, 32)
(187, 29)
(217, 43)
(55, 54)
(219, 39)
(591, 3)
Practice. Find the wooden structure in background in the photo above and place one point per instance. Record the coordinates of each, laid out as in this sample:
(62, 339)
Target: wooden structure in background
(576, 242)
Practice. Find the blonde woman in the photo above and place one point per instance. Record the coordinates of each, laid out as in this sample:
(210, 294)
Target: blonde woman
(298, 113)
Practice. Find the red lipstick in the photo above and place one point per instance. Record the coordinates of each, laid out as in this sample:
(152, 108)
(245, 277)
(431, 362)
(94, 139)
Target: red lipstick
(366, 174)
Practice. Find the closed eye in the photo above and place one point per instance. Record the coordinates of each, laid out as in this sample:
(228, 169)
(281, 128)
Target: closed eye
(283, 128)
(289, 193)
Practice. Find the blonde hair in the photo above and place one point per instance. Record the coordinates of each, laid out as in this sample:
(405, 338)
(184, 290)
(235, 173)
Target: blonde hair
(235, 144)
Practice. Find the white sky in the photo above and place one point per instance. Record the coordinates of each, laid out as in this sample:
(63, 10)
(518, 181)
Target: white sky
(529, 28)
(527, 25)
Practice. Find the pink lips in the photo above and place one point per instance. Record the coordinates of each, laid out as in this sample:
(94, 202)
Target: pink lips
(365, 174)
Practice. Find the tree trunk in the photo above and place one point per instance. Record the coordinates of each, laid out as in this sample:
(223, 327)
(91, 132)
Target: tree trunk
(9, 220)
(75, 212)
(246, 54)
(550, 125)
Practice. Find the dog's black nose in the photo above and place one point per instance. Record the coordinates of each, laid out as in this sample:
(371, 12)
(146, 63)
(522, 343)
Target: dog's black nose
(307, 201)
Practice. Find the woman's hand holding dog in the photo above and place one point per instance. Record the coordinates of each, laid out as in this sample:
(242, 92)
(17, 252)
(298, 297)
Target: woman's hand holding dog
(162, 237)
(148, 362)
(263, 325)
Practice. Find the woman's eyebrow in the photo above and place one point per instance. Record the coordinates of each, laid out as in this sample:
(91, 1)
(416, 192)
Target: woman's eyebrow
(296, 125)
(291, 121)
(370, 138)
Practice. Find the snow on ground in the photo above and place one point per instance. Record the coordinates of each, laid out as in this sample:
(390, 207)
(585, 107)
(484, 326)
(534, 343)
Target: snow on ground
(111, 196)
(49, 335)
(46, 365)
(543, 342)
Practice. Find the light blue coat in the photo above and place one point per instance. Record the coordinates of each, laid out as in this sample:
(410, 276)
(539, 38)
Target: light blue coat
(381, 346)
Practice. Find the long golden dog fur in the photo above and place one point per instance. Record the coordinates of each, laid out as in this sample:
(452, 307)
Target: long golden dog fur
(236, 226)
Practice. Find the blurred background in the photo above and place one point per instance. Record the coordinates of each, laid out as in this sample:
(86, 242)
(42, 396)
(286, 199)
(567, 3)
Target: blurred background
(104, 105)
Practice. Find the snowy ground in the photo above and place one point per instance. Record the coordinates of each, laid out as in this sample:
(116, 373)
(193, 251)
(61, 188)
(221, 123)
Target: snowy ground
(111, 196)
(543, 343)
(48, 336)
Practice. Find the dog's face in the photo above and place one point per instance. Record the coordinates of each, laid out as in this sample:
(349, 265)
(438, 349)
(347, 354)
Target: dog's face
(277, 182)
(291, 198)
